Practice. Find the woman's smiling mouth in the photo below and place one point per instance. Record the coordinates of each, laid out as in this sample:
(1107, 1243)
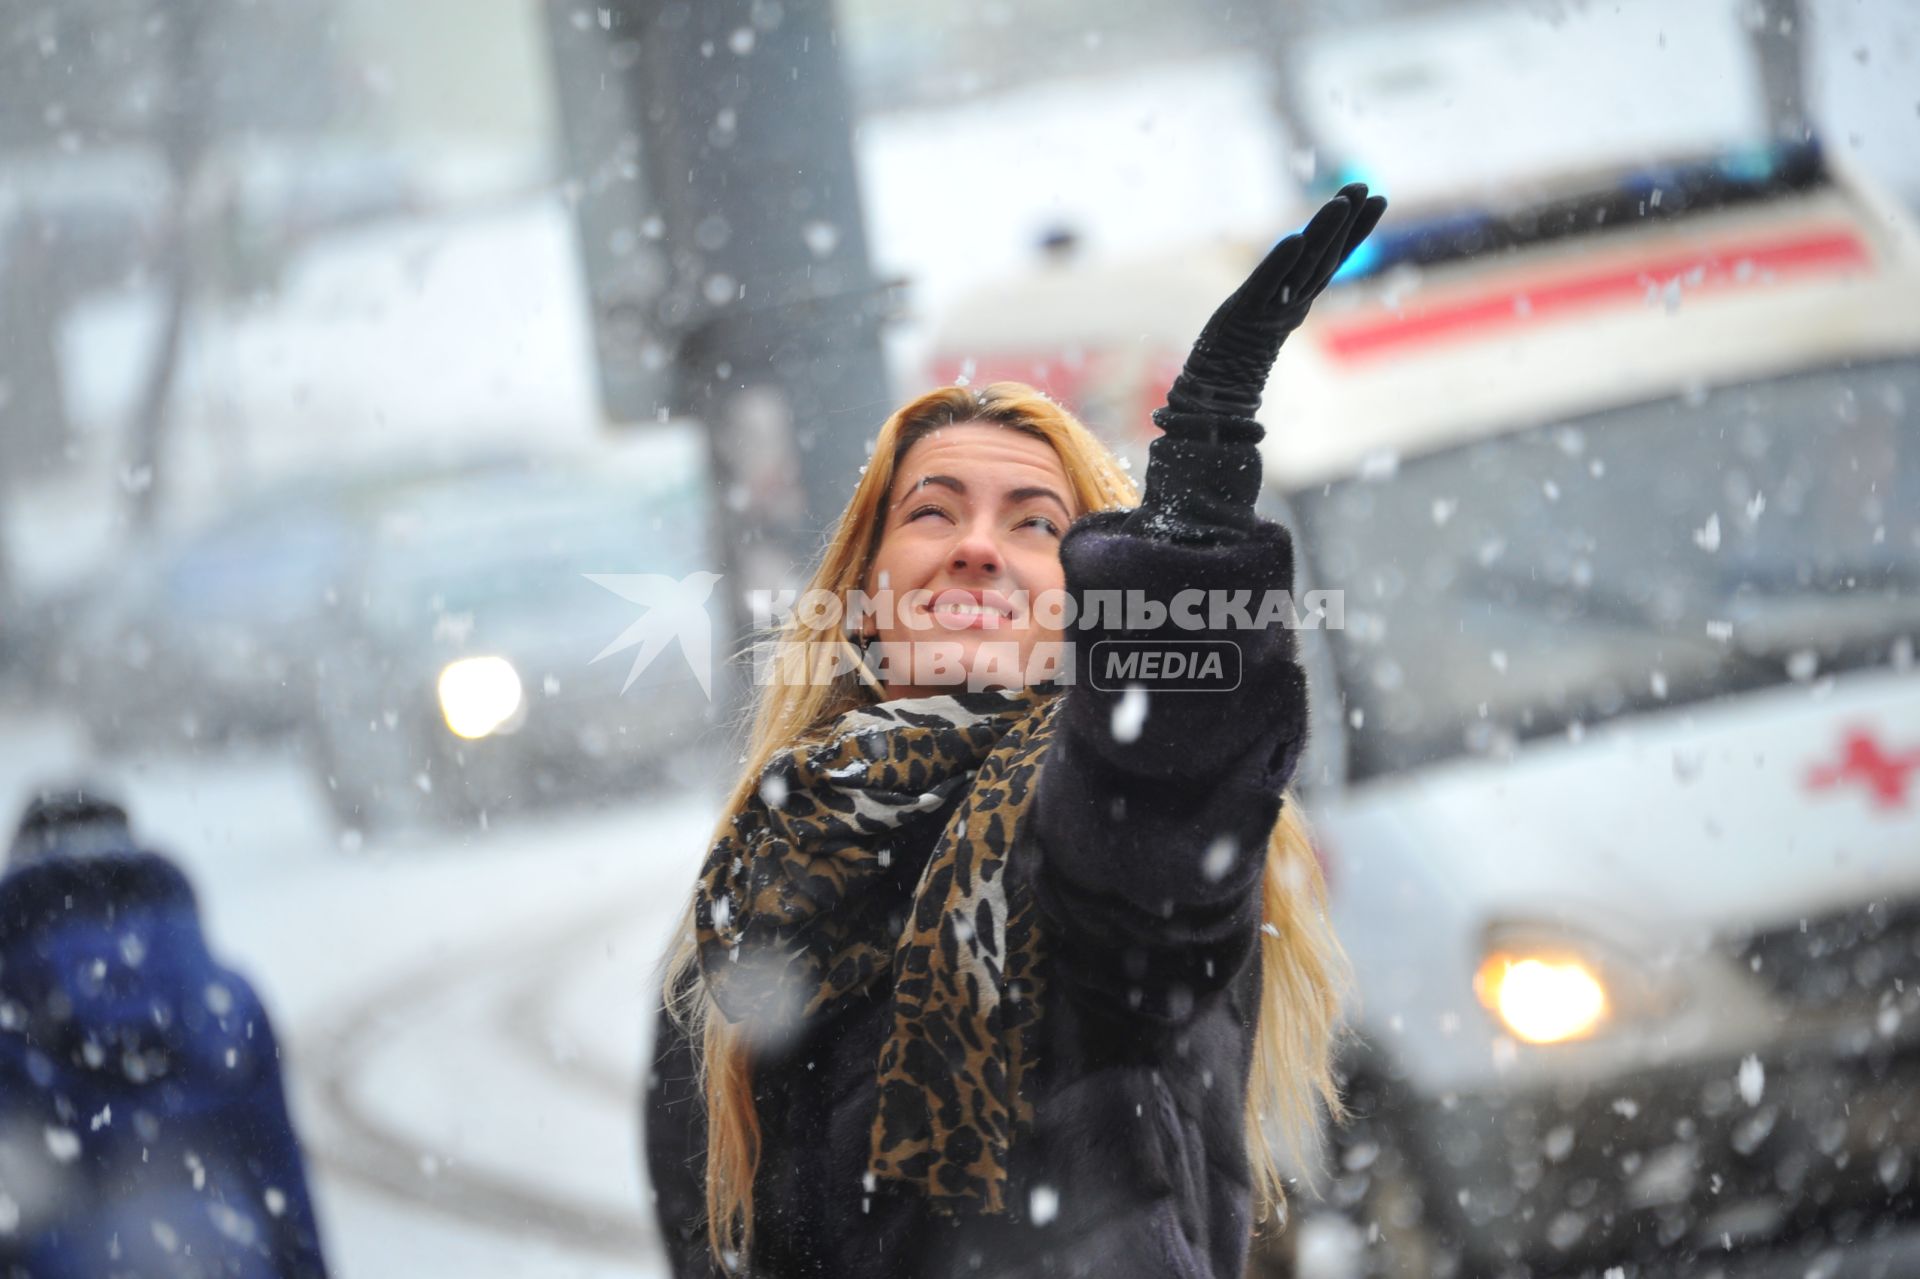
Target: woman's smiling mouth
(968, 610)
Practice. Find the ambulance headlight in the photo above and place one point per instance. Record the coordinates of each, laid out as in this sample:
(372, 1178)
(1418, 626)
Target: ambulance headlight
(1543, 997)
(1554, 984)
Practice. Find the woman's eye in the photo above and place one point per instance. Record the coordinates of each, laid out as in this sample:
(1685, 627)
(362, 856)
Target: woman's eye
(925, 510)
(1043, 522)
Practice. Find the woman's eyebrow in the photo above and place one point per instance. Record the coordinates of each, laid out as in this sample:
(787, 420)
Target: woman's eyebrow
(944, 481)
(1013, 495)
(1023, 494)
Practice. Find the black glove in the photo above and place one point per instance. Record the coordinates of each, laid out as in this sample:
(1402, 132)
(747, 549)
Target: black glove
(1203, 475)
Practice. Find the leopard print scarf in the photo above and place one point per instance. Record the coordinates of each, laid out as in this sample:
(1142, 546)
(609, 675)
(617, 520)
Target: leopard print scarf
(784, 932)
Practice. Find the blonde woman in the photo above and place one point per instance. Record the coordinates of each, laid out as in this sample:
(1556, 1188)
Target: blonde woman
(990, 973)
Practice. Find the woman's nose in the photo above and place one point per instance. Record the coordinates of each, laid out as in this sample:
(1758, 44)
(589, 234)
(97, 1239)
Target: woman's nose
(978, 550)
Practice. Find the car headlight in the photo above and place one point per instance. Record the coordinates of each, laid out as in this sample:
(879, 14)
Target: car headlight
(479, 695)
(1543, 996)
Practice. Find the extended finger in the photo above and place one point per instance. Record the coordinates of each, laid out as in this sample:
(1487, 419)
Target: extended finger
(1365, 218)
(1370, 214)
(1324, 250)
(1332, 217)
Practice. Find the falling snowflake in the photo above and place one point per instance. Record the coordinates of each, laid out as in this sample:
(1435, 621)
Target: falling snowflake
(821, 237)
(1219, 858)
(1130, 714)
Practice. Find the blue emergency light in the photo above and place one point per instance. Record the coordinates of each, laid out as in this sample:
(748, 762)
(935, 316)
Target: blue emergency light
(1745, 175)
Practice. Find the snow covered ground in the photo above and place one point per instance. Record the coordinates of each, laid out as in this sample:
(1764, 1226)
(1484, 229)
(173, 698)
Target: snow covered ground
(464, 1018)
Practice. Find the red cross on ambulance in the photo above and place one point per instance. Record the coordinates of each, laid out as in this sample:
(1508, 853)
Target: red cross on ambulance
(1865, 761)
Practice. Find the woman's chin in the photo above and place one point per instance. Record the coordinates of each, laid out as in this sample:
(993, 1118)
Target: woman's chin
(964, 663)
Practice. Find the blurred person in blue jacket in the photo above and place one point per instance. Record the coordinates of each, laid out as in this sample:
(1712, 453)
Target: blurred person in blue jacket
(143, 1129)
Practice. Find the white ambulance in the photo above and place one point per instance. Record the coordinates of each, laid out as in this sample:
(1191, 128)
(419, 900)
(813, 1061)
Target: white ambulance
(1616, 759)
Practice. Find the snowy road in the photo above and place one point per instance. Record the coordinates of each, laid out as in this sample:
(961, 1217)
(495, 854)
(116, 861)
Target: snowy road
(464, 1019)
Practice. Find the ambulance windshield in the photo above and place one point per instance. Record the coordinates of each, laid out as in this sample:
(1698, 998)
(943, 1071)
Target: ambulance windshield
(1635, 559)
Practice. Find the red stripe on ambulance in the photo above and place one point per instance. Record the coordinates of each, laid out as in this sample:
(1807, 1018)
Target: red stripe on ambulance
(1754, 262)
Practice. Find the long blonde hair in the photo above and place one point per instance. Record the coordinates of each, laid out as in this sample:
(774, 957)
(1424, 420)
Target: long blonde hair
(1302, 966)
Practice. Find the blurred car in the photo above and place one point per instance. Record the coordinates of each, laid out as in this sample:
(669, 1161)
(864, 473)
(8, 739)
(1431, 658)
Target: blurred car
(209, 633)
(460, 676)
(1616, 754)
(206, 635)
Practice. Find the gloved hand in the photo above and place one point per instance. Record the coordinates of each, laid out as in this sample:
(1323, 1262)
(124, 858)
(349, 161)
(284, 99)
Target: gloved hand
(1203, 475)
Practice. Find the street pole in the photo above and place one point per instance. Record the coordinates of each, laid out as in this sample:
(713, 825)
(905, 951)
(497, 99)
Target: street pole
(751, 280)
(1779, 45)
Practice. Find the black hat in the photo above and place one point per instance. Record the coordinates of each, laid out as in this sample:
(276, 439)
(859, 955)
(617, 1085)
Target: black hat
(69, 821)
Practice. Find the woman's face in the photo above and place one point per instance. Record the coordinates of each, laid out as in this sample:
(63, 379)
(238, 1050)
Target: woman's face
(970, 540)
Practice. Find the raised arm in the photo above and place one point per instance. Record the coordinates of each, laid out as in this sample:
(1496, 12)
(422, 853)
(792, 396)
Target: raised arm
(1155, 805)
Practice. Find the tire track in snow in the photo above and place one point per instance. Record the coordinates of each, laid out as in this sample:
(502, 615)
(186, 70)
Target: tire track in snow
(361, 1146)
